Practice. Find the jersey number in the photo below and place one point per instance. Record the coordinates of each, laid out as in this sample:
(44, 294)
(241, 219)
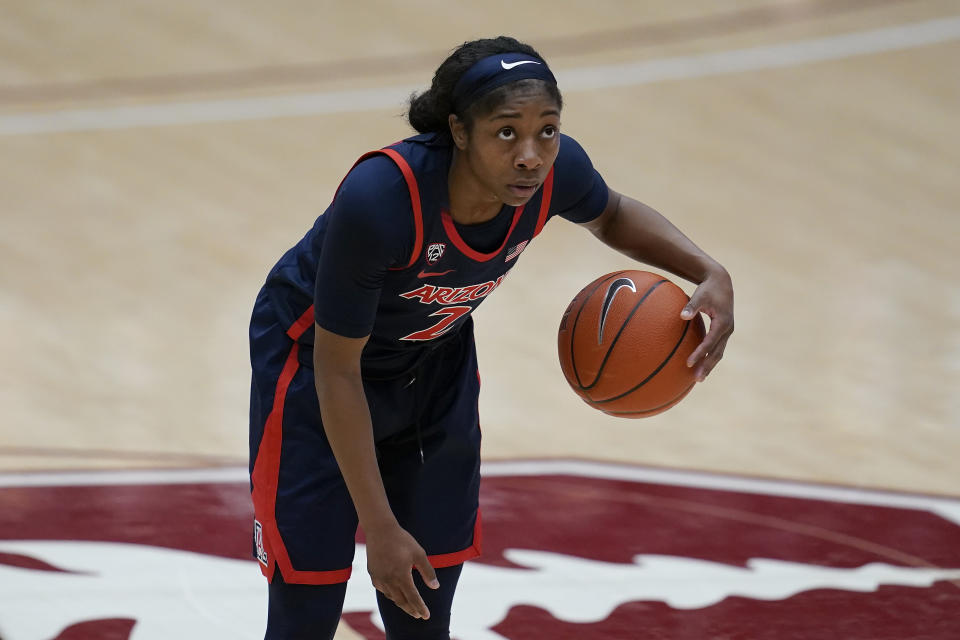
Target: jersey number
(452, 315)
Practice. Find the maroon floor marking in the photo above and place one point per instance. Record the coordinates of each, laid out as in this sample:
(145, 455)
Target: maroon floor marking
(605, 520)
(116, 629)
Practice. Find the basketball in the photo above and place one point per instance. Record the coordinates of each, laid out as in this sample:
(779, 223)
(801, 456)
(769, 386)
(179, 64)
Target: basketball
(623, 346)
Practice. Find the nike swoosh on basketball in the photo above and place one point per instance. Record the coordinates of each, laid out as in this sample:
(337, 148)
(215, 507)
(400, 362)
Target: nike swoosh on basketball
(511, 65)
(612, 290)
(430, 274)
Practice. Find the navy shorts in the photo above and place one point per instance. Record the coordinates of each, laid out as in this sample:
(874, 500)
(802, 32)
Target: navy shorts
(305, 521)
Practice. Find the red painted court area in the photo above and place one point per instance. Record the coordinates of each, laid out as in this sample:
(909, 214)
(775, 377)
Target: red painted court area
(571, 551)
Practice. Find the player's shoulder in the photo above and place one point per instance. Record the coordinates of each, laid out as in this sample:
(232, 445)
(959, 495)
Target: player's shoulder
(375, 196)
(380, 175)
(426, 153)
(579, 192)
(572, 162)
(373, 200)
(569, 141)
(571, 152)
(372, 178)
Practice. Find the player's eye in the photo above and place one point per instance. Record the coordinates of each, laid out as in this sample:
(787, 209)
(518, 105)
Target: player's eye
(549, 131)
(506, 134)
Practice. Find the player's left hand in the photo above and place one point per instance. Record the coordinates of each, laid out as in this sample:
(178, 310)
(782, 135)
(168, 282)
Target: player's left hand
(713, 297)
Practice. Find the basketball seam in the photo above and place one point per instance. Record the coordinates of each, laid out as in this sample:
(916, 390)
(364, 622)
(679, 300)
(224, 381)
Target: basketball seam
(655, 409)
(623, 326)
(573, 329)
(686, 328)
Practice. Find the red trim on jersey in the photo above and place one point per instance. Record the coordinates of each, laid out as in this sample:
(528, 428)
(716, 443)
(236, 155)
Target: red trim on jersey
(451, 229)
(544, 203)
(266, 472)
(443, 560)
(414, 201)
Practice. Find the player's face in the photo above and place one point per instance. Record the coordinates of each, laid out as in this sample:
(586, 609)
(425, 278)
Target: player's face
(512, 148)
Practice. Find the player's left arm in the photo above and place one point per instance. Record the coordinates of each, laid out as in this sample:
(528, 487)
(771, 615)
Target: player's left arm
(640, 232)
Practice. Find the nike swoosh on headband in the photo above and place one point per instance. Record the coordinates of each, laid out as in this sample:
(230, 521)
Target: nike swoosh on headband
(511, 65)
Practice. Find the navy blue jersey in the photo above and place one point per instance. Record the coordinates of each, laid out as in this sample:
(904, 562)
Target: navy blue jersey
(387, 260)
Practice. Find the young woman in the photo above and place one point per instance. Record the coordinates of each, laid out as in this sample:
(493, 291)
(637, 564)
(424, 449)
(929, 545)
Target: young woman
(365, 383)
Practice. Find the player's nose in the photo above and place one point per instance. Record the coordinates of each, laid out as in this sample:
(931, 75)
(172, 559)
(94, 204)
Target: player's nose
(528, 156)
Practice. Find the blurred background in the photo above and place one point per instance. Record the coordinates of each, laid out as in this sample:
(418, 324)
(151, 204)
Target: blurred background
(157, 158)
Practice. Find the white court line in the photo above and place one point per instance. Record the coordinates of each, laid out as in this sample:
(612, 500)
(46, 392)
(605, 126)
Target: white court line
(905, 36)
(948, 508)
(106, 478)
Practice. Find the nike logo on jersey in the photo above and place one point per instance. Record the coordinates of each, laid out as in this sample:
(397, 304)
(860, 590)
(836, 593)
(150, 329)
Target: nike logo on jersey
(612, 290)
(430, 274)
(511, 65)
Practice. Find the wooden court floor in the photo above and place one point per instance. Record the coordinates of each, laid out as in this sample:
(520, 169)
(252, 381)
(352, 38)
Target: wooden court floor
(157, 158)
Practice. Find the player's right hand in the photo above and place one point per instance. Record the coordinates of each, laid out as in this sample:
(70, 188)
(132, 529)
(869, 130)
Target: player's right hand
(391, 552)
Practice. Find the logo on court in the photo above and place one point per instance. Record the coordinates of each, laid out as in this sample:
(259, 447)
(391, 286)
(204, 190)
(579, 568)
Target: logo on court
(435, 252)
(202, 594)
(659, 550)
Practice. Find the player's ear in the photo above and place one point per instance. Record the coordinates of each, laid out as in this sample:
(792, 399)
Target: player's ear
(458, 129)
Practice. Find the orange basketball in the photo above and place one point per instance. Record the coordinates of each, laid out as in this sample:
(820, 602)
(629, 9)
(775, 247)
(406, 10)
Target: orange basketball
(623, 346)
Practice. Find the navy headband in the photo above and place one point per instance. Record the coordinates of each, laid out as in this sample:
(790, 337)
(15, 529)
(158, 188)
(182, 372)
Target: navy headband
(495, 71)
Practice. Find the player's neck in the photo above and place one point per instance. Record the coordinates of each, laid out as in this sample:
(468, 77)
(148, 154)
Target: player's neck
(470, 201)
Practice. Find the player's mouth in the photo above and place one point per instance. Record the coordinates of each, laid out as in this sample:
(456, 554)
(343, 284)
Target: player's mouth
(524, 190)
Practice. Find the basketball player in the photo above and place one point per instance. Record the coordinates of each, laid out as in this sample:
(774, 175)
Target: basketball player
(365, 382)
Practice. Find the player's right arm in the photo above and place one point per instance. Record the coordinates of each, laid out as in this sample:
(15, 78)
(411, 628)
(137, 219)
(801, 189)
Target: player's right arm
(391, 551)
(369, 229)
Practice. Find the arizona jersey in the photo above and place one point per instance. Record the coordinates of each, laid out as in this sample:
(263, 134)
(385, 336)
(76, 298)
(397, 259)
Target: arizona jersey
(387, 260)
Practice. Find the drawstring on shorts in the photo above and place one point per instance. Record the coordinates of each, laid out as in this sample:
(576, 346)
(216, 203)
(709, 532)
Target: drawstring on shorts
(421, 391)
(416, 411)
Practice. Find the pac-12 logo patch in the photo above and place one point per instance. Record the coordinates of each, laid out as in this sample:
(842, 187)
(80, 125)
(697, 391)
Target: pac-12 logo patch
(258, 542)
(435, 252)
